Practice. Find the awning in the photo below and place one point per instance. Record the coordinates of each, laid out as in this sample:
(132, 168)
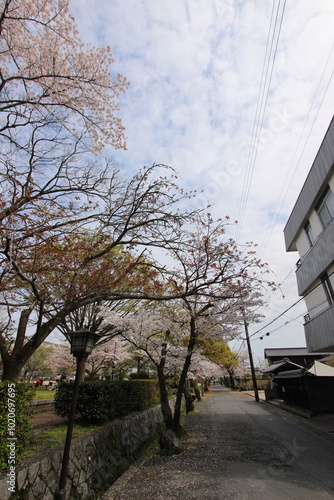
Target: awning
(321, 370)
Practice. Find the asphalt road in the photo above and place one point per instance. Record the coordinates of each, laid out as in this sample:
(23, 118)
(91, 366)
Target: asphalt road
(237, 449)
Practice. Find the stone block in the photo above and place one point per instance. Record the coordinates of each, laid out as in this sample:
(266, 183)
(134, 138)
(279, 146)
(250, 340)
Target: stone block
(169, 443)
(97, 460)
(21, 478)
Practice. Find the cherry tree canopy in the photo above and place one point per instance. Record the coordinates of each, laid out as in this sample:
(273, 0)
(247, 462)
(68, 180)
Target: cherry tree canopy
(106, 357)
(59, 257)
(49, 79)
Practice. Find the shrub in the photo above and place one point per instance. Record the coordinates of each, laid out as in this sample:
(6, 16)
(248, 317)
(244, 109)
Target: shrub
(101, 401)
(15, 421)
(139, 375)
(93, 404)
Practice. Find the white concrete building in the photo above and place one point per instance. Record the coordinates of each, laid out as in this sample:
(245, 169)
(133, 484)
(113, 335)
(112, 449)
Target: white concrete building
(310, 232)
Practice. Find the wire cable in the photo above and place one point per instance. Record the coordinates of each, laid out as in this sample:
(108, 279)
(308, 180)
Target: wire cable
(290, 321)
(288, 309)
(277, 210)
(266, 77)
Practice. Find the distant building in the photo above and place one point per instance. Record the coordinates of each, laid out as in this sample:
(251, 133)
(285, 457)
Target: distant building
(310, 232)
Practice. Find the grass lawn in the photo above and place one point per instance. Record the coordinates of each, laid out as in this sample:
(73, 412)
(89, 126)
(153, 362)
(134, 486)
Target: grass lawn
(54, 436)
(43, 393)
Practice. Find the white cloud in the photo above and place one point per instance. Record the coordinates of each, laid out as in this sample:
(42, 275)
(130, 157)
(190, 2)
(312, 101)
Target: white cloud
(195, 69)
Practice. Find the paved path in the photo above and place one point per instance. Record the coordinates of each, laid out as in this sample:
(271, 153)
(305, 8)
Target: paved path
(43, 420)
(237, 449)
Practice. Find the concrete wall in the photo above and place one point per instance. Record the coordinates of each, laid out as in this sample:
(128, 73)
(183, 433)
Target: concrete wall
(97, 460)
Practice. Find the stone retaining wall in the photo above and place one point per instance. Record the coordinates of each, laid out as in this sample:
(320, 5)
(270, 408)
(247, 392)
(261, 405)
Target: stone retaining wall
(97, 460)
(42, 405)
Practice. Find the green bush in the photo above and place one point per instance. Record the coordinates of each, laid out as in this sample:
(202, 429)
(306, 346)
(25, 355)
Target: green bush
(15, 421)
(101, 401)
(139, 375)
(93, 403)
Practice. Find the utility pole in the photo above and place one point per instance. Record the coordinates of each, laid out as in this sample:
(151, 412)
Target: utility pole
(256, 392)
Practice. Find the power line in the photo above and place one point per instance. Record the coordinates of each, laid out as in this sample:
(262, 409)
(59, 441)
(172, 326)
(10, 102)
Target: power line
(266, 76)
(279, 316)
(241, 346)
(290, 320)
(288, 309)
(276, 210)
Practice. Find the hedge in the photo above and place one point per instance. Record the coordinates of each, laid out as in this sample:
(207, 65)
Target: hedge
(15, 421)
(101, 401)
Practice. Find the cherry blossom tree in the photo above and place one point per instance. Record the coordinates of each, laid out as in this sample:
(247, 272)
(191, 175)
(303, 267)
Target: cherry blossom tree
(60, 359)
(172, 337)
(57, 358)
(37, 364)
(58, 101)
(49, 79)
(202, 367)
(152, 332)
(106, 357)
(52, 266)
(216, 282)
(243, 369)
(175, 336)
(226, 280)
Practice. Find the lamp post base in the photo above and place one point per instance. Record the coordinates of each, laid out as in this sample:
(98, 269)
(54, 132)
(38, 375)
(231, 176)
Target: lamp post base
(60, 495)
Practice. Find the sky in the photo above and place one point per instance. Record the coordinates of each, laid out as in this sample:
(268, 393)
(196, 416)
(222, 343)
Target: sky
(236, 95)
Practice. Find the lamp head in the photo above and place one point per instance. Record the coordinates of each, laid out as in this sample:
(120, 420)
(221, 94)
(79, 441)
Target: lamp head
(82, 342)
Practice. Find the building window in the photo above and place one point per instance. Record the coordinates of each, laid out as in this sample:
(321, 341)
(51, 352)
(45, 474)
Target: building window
(328, 288)
(309, 233)
(325, 207)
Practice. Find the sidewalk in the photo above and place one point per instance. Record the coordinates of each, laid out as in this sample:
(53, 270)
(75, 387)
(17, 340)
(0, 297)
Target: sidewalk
(227, 455)
(167, 477)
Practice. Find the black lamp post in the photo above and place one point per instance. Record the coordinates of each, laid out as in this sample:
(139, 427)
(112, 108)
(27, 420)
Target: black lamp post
(82, 343)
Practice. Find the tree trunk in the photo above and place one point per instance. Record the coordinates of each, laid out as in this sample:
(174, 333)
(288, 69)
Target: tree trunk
(11, 369)
(164, 400)
(197, 390)
(178, 403)
(189, 400)
(14, 362)
(232, 383)
(177, 412)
